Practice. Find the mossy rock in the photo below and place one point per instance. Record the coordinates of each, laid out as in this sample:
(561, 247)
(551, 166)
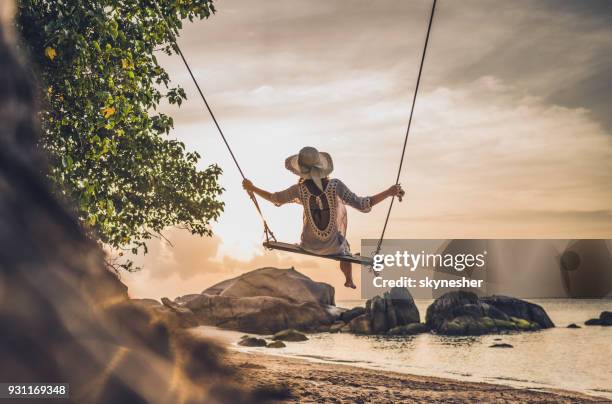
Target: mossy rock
(525, 325)
(252, 341)
(464, 325)
(276, 344)
(488, 322)
(505, 325)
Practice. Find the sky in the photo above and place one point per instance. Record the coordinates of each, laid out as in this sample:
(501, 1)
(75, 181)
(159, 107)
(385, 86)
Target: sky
(511, 135)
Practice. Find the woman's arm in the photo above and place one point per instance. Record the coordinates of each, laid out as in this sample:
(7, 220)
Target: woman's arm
(394, 190)
(364, 204)
(290, 194)
(249, 187)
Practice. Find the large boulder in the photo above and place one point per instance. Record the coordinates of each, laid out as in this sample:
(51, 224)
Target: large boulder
(401, 304)
(394, 308)
(263, 301)
(464, 313)
(259, 314)
(286, 284)
(380, 320)
(449, 306)
(518, 308)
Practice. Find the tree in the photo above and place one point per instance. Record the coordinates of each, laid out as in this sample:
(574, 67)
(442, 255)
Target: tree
(108, 148)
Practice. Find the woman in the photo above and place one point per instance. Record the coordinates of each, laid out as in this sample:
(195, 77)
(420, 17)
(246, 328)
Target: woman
(324, 231)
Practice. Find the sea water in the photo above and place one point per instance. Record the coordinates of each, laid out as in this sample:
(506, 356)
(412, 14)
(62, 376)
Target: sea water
(558, 358)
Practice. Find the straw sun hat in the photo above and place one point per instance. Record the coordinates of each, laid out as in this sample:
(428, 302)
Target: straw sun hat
(310, 164)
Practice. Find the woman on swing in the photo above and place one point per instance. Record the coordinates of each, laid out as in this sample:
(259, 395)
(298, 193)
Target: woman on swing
(324, 200)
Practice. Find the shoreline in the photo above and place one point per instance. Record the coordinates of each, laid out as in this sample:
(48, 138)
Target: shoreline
(309, 381)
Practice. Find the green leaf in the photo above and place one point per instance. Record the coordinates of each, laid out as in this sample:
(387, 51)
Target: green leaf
(108, 149)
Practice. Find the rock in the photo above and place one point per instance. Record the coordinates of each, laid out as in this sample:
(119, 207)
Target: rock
(334, 311)
(337, 326)
(361, 325)
(464, 313)
(606, 318)
(501, 345)
(258, 315)
(394, 308)
(376, 309)
(409, 329)
(287, 284)
(170, 312)
(525, 325)
(593, 321)
(276, 344)
(289, 335)
(265, 301)
(466, 325)
(573, 325)
(65, 315)
(470, 310)
(493, 312)
(446, 307)
(401, 303)
(184, 316)
(520, 309)
(185, 298)
(348, 315)
(346, 328)
(252, 341)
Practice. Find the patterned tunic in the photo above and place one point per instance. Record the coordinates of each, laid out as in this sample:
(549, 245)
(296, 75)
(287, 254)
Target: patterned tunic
(331, 238)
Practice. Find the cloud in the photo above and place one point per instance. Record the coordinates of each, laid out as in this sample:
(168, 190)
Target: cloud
(192, 264)
(558, 50)
(507, 158)
(511, 133)
(188, 256)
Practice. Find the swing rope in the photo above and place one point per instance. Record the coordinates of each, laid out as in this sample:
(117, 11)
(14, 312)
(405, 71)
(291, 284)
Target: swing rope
(267, 231)
(416, 90)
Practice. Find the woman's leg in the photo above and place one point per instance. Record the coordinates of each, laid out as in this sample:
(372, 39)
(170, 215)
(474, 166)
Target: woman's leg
(347, 270)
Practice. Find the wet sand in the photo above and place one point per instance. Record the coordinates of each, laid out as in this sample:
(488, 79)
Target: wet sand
(305, 382)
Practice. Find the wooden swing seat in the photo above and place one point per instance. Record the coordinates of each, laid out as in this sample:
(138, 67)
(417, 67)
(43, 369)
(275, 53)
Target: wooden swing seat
(294, 248)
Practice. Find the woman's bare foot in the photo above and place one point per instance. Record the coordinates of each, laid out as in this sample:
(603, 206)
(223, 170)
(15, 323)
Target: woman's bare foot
(347, 270)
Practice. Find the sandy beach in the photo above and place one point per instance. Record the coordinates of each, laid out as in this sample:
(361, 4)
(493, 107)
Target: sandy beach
(305, 381)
